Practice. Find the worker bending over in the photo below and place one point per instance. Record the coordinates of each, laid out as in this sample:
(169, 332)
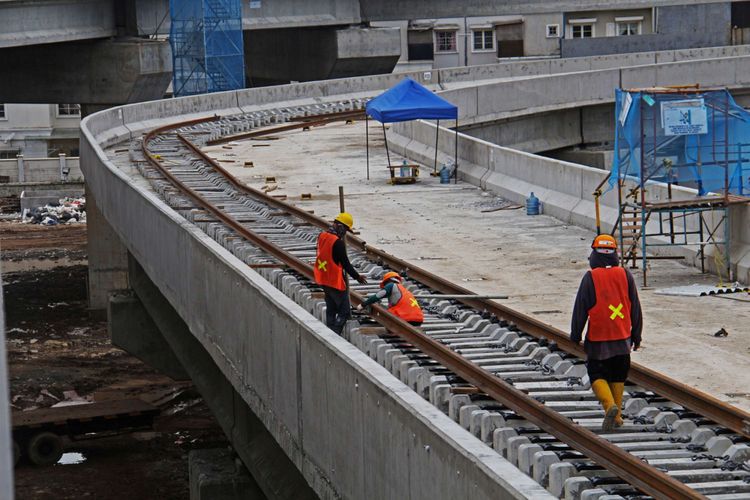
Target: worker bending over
(608, 299)
(330, 264)
(401, 302)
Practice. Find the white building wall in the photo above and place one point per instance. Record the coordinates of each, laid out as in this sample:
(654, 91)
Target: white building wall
(29, 128)
(536, 41)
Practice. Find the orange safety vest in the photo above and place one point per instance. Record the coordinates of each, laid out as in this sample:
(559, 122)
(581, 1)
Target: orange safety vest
(407, 308)
(327, 272)
(609, 319)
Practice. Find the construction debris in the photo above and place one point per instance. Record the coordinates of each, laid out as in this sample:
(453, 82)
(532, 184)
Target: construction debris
(721, 333)
(66, 211)
(697, 290)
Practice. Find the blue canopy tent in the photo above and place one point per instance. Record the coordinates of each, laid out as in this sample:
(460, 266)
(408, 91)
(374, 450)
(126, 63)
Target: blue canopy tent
(409, 101)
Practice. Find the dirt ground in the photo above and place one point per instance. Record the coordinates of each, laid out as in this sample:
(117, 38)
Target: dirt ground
(32, 246)
(55, 346)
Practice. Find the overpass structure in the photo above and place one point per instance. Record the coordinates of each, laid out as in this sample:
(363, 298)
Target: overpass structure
(101, 53)
(312, 414)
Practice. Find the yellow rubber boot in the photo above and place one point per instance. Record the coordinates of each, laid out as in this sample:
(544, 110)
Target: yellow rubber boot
(604, 395)
(617, 389)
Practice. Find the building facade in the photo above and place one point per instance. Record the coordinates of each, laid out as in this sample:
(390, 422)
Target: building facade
(469, 41)
(39, 130)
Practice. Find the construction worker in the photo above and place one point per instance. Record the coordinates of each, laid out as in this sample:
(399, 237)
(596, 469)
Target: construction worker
(330, 264)
(401, 302)
(608, 299)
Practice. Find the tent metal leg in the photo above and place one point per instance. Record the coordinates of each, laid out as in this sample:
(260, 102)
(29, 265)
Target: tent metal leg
(437, 136)
(367, 141)
(455, 157)
(385, 139)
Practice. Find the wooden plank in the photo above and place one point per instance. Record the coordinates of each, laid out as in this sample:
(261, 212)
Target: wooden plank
(82, 412)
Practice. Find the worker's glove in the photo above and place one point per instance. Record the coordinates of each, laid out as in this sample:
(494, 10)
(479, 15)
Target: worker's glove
(359, 307)
(362, 279)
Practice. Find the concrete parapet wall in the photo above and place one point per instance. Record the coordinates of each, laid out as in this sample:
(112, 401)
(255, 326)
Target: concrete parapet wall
(497, 98)
(576, 64)
(565, 189)
(351, 428)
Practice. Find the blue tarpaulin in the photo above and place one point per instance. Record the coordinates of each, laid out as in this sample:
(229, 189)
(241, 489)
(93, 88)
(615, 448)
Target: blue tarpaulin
(713, 156)
(410, 101)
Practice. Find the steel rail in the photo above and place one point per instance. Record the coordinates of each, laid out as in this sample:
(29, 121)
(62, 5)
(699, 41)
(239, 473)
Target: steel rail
(628, 467)
(710, 407)
(315, 121)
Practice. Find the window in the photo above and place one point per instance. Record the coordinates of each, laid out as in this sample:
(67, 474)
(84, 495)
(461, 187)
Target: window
(628, 26)
(420, 46)
(484, 39)
(582, 30)
(2, 112)
(68, 110)
(553, 30)
(628, 29)
(445, 41)
(741, 14)
(9, 154)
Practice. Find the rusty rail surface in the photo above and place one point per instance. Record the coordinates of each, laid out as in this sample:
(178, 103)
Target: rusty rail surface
(710, 407)
(631, 469)
(309, 121)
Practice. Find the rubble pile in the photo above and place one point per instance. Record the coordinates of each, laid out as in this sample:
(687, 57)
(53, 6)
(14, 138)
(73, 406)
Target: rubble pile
(67, 211)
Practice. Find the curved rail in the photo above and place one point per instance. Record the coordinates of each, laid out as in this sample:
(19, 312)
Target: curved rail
(710, 407)
(631, 469)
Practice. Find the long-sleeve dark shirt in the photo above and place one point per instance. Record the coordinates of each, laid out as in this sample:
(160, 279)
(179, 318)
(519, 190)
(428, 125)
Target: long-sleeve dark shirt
(342, 259)
(586, 299)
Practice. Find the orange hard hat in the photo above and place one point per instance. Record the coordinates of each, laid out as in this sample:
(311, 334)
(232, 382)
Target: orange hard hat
(605, 241)
(387, 276)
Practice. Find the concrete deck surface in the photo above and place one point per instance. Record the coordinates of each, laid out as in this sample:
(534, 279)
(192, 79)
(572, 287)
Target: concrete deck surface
(537, 261)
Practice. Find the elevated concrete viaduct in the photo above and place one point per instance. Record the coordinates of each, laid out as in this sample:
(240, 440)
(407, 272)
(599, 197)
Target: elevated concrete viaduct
(65, 47)
(77, 52)
(308, 413)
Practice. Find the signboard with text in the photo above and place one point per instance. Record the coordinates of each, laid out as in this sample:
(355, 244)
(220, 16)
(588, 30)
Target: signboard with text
(686, 117)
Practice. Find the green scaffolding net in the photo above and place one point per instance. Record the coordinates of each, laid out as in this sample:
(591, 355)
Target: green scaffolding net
(694, 138)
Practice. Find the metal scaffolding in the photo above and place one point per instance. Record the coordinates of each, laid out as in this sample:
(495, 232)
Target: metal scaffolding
(687, 137)
(207, 47)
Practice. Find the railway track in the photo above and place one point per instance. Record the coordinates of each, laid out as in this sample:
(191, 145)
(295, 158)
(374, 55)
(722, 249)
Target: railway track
(515, 383)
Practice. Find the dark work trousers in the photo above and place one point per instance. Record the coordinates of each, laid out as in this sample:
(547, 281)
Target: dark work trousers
(614, 369)
(338, 308)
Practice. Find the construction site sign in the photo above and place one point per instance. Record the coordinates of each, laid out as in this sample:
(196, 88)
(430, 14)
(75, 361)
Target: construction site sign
(687, 117)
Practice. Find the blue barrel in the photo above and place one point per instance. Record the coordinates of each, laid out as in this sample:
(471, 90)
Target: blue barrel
(532, 205)
(445, 175)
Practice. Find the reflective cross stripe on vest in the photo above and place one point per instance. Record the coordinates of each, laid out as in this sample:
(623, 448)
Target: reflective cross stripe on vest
(322, 265)
(616, 312)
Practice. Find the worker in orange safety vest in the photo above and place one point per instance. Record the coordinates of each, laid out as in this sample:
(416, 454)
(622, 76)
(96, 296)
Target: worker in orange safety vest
(330, 263)
(608, 300)
(401, 302)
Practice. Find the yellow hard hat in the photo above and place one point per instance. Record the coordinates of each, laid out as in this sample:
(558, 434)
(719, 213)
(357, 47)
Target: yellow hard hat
(346, 219)
(604, 241)
(387, 276)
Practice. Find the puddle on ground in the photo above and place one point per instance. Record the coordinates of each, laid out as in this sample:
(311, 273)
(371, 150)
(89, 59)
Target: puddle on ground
(72, 458)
